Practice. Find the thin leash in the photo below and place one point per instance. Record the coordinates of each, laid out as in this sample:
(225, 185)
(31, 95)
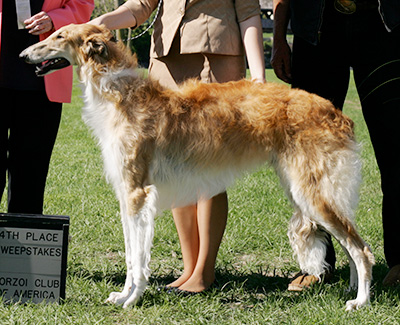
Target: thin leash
(147, 29)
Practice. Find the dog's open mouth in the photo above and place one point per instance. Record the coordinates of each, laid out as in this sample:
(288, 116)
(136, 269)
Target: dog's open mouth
(51, 65)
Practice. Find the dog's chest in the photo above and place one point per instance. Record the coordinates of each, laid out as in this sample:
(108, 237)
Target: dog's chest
(109, 127)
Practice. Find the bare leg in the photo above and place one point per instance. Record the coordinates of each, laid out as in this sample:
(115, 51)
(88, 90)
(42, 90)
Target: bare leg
(201, 247)
(186, 224)
(211, 217)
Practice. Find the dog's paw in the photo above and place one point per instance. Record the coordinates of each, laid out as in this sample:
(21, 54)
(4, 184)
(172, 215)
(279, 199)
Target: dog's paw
(355, 304)
(122, 298)
(117, 298)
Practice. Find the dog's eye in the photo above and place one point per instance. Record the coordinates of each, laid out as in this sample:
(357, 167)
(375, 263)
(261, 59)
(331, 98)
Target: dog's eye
(60, 36)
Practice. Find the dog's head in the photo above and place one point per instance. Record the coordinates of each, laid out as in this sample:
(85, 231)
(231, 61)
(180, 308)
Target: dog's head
(70, 45)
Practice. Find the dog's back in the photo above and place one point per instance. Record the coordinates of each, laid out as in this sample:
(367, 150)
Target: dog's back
(244, 119)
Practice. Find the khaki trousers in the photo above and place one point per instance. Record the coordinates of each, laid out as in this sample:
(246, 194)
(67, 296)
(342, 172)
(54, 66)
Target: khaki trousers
(176, 68)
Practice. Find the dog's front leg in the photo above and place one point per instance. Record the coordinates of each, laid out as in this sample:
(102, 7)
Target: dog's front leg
(120, 297)
(138, 232)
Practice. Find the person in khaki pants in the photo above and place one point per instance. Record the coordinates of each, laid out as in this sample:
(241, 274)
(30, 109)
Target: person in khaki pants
(207, 40)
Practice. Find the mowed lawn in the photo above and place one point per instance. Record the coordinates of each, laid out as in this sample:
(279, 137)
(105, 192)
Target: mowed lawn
(255, 262)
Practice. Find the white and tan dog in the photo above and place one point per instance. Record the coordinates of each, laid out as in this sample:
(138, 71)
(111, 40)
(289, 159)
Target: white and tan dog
(165, 148)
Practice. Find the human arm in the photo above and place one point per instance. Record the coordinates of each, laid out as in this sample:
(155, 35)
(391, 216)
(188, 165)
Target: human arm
(131, 14)
(121, 17)
(281, 53)
(251, 31)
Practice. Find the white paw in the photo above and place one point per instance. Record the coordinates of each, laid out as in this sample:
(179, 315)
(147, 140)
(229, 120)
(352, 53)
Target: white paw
(355, 304)
(117, 298)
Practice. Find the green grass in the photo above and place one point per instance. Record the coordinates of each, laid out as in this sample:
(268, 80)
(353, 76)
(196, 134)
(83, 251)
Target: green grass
(254, 264)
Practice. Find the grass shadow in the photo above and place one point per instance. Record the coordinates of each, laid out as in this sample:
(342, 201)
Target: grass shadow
(233, 286)
(253, 282)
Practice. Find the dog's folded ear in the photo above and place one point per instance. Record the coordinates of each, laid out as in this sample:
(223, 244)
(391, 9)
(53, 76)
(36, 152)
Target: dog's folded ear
(96, 48)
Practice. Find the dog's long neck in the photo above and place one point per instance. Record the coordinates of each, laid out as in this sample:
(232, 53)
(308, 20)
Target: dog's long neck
(114, 90)
(110, 79)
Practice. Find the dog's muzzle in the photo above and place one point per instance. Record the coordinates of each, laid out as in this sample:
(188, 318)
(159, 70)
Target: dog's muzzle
(46, 66)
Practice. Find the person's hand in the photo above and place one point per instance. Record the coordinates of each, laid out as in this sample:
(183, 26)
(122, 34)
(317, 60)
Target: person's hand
(281, 60)
(39, 24)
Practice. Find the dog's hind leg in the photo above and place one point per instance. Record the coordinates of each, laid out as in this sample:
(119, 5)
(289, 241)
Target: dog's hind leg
(360, 255)
(138, 232)
(353, 271)
(344, 231)
(327, 194)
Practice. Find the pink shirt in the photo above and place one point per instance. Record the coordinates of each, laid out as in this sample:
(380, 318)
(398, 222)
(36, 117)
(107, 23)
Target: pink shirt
(62, 12)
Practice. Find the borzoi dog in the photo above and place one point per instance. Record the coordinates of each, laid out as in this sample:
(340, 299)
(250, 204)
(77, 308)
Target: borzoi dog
(164, 148)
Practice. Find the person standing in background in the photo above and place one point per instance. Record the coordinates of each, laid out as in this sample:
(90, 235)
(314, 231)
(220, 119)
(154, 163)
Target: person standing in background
(206, 40)
(31, 110)
(330, 37)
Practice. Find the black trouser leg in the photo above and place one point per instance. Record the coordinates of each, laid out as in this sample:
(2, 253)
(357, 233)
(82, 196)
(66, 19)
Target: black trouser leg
(380, 100)
(33, 128)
